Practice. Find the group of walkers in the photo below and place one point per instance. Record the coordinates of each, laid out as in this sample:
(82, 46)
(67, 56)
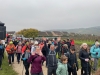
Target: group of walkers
(60, 56)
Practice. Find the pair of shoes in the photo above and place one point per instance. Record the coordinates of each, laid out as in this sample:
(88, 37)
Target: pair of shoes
(9, 64)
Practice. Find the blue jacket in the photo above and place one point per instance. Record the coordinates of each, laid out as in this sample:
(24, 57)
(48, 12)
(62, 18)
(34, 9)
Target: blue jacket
(95, 50)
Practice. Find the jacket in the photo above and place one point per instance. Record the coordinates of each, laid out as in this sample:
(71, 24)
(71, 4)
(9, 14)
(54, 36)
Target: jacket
(10, 49)
(1, 49)
(18, 49)
(95, 50)
(62, 69)
(52, 60)
(36, 66)
(72, 60)
(83, 54)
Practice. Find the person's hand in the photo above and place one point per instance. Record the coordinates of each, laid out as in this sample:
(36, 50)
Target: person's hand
(58, 39)
(44, 39)
(96, 53)
(92, 59)
(33, 53)
(86, 60)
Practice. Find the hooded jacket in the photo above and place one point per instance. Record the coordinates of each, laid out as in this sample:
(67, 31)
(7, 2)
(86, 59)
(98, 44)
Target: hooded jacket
(95, 50)
(52, 60)
(62, 69)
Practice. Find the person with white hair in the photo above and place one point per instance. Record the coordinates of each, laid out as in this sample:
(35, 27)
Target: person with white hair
(33, 47)
(84, 57)
(95, 53)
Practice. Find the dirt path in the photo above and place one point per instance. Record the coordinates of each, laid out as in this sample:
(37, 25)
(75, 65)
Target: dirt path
(19, 68)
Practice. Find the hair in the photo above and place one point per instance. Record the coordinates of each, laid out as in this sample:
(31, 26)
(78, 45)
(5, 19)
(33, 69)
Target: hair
(63, 58)
(83, 45)
(72, 49)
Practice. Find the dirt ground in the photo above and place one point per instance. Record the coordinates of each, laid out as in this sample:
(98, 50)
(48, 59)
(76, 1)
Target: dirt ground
(21, 70)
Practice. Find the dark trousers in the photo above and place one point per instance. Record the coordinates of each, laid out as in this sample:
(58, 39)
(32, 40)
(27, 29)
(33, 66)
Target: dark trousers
(41, 73)
(73, 71)
(26, 65)
(52, 70)
(0, 60)
(47, 61)
(11, 56)
(87, 70)
(18, 57)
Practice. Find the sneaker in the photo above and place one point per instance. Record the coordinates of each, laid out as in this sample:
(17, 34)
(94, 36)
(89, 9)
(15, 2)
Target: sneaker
(9, 64)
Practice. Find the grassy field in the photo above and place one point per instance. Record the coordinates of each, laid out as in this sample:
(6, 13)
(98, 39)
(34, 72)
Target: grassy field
(79, 42)
(6, 70)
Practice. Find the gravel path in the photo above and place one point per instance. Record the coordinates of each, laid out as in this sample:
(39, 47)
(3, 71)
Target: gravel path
(19, 68)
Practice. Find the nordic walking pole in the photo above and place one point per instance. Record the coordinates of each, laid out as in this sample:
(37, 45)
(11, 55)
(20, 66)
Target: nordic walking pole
(87, 68)
(23, 70)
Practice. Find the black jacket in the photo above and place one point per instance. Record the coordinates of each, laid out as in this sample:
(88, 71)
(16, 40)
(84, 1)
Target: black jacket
(83, 54)
(72, 60)
(52, 61)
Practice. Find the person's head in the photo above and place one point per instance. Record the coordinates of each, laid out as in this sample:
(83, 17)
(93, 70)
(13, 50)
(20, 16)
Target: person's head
(36, 43)
(65, 46)
(72, 50)
(10, 43)
(19, 43)
(84, 46)
(38, 50)
(52, 47)
(64, 59)
(27, 43)
(97, 44)
(96, 40)
(68, 40)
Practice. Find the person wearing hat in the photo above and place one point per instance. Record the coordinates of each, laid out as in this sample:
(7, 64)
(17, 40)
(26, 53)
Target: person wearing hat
(10, 50)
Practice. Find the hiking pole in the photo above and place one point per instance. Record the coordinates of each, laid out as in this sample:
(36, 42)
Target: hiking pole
(23, 70)
(87, 68)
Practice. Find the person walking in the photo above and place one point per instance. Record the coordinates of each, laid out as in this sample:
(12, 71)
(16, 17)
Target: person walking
(52, 60)
(62, 66)
(36, 60)
(10, 50)
(19, 51)
(84, 57)
(95, 54)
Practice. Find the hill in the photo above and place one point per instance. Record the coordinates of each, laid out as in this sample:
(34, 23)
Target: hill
(91, 30)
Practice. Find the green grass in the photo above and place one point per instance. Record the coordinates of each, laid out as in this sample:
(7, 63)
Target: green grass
(6, 70)
(79, 42)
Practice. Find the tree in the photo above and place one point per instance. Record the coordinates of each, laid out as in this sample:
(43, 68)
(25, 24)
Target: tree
(29, 33)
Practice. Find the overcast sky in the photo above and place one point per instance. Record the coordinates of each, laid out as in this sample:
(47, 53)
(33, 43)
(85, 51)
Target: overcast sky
(49, 14)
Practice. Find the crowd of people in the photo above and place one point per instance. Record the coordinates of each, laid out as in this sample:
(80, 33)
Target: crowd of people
(60, 56)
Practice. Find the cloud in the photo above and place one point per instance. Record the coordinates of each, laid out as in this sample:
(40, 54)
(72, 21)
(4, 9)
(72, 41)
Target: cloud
(49, 14)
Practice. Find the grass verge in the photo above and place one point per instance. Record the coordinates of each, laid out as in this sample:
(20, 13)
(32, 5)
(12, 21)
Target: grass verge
(6, 70)
(79, 42)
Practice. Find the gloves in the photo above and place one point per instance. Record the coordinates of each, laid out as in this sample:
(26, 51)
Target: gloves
(86, 60)
(96, 53)
(24, 59)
